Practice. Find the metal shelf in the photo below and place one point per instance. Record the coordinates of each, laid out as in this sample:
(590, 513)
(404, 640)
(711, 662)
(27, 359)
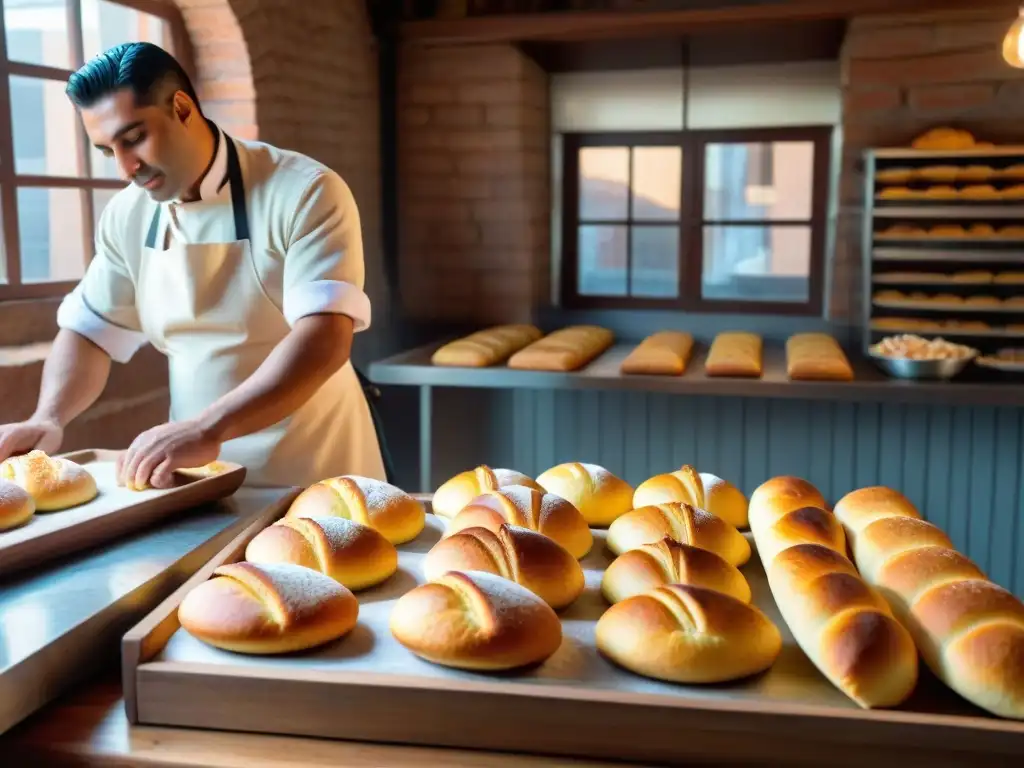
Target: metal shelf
(924, 306)
(904, 153)
(991, 333)
(915, 254)
(947, 211)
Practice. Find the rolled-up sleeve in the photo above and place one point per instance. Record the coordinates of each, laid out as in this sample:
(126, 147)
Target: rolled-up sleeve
(323, 263)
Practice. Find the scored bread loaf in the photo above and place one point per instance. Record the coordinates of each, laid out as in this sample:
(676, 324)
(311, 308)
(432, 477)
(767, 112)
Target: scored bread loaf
(598, 494)
(487, 347)
(844, 626)
(458, 491)
(670, 562)
(969, 630)
(17, 506)
(664, 353)
(524, 507)
(539, 563)
(53, 482)
(687, 634)
(567, 349)
(704, 491)
(816, 357)
(735, 353)
(680, 522)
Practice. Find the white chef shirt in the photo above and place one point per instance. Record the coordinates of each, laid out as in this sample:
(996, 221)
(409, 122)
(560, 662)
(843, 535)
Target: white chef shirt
(301, 214)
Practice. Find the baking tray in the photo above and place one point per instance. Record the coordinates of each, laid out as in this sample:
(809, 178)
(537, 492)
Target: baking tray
(367, 687)
(114, 512)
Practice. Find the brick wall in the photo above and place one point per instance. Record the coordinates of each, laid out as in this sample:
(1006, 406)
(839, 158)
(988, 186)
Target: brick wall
(474, 194)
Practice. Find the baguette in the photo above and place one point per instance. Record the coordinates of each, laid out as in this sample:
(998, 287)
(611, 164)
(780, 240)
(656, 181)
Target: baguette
(665, 353)
(567, 349)
(679, 522)
(845, 627)
(704, 491)
(17, 506)
(458, 491)
(599, 495)
(735, 353)
(54, 483)
(486, 347)
(816, 357)
(969, 630)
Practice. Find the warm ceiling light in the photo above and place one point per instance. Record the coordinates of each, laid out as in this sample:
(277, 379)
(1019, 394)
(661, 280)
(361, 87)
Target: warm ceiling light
(1013, 43)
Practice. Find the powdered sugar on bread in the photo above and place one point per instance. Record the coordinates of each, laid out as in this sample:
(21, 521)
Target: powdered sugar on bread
(291, 593)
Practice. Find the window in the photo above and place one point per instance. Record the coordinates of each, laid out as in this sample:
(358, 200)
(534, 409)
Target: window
(706, 220)
(53, 185)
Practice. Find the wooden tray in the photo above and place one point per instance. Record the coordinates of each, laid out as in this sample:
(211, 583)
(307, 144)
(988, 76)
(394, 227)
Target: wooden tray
(368, 687)
(114, 512)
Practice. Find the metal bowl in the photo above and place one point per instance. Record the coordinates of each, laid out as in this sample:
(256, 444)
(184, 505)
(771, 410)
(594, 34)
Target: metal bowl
(902, 368)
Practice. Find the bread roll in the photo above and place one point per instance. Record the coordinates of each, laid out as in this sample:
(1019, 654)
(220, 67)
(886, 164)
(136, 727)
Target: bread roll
(457, 492)
(599, 495)
(969, 630)
(16, 505)
(704, 491)
(189, 473)
(664, 353)
(382, 506)
(475, 620)
(687, 634)
(268, 609)
(524, 507)
(351, 553)
(670, 562)
(54, 483)
(679, 522)
(487, 347)
(735, 353)
(526, 557)
(816, 357)
(567, 349)
(843, 625)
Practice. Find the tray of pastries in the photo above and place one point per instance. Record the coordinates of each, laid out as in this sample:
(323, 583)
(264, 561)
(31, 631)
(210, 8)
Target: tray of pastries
(952, 302)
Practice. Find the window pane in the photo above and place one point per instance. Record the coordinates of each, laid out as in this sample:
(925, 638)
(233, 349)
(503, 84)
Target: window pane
(106, 24)
(604, 183)
(37, 32)
(754, 263)
(657, 180)
(758, 181)
(50, 234)
(654, 263)
(45, 128)
(601, 261)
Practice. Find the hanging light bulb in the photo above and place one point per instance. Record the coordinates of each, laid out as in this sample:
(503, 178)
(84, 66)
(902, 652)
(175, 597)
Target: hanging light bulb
(1013, 43)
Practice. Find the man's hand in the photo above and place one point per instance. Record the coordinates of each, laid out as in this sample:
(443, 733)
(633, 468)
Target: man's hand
(154, 455)
(29, 435)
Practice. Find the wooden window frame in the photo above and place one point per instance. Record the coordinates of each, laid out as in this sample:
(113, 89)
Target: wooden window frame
(178, 41)
(693, 144)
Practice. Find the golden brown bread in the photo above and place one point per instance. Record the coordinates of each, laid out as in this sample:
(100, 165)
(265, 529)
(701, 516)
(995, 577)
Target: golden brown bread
(688, 634)
(53, 482)
(598, 494)
(735, 353)
(670, 562)
(664, 353)
(845, 627)
(476, 620)
(388, 509)
(188, 473)
(524, 507)
(487, 347)
(268, 608)
(17, 506)
(816, 357)
(944, 138)
(458, 491)
(567, 349)
(526, 557)
(679, 522)
(970, 631)
(351, 553)
(704, 491)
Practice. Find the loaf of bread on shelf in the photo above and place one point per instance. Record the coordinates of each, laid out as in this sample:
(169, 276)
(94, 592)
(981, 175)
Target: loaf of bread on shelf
(53, 482)
(679, 522)
(688, 634)
(268, 609)
(380, 505)
(845, 627)
(670, 562)
(567, 349)
(944, 138)
(355, 555)
(17, 506)
(969, 630)
(897, 175)
(735, 353)
(938, 173)
(475, 620)
(525, 507)
(816, 357)
(531, 559)
(487, 347)
(704, 491)
(664, 353)
(599, 495)
(456, 492)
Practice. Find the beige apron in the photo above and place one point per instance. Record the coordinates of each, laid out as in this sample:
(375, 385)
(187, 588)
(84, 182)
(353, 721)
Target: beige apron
(205, 308)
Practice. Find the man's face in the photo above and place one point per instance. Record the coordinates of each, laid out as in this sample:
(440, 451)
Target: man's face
(151, 144)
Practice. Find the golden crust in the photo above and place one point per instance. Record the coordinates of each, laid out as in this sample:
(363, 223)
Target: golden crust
(17, 506)
(679, 522)
(599, 495)
(486, 347)
(664, 353)
(54, 483)
(456, 492)
(735, 353)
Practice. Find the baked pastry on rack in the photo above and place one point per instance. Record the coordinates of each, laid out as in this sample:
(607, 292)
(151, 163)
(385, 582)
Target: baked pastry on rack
(938, 174)
(944, 138)
(897, 175)
(458, 491)
(664, 353)
(55, 483)
(974, 173)
(703, 491)
(735, 353)
(816, 357)
(487, 347)
(567, 349)
(597, 493)
(679, 522)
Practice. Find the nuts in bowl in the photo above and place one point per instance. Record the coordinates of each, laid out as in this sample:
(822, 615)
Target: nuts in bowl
(908, 356)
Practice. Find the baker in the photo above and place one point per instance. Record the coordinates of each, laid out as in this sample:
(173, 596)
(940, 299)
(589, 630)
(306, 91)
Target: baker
(241, 262)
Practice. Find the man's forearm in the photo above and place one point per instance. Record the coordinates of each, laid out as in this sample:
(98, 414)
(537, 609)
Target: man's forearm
(74, 375)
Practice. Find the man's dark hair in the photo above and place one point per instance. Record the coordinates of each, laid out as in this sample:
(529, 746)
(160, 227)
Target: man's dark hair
(150, 72)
